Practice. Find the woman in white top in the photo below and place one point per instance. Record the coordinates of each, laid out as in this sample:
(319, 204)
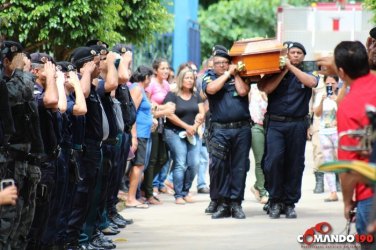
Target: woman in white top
(326, 108)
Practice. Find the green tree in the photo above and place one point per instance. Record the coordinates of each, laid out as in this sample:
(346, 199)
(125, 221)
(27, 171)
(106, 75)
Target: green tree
(371, 5)
(231, 20)
(58, 26)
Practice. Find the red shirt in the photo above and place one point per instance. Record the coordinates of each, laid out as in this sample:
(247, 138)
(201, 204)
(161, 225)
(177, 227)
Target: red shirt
(351, 115)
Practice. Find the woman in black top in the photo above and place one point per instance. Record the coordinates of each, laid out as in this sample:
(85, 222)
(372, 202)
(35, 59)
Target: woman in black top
(181, 133)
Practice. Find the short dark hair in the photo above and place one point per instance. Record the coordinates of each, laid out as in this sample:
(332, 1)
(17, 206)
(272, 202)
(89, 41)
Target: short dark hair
(141, 73)
(352, 57)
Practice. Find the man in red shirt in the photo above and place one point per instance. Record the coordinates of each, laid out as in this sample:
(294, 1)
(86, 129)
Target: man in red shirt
(351, 60)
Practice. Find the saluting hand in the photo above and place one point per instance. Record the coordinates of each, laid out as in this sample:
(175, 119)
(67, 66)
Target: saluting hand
(88, 68)
(49, 70)
(73, 78)
(127, 56)
(111, 57)
(27, 62)
(18, 62)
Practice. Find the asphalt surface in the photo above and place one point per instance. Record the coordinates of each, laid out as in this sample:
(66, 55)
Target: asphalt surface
(171, 226)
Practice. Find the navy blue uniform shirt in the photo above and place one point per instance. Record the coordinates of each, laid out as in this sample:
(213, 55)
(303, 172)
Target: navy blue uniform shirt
(290, 98)
(50, 121)
(94, 119)
(73, 126)
(226, 105)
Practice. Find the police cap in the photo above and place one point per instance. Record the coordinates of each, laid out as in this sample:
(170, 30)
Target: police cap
(101, 50)
(121, 48)
(220, 50)
(289, 45)
(10, 47)
(82, 55)
(96, 42)
(41, 58)
(65, 66)
(372, 33)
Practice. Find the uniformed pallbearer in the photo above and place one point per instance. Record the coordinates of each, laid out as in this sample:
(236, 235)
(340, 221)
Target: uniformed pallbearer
(289, 93)
(230, 136)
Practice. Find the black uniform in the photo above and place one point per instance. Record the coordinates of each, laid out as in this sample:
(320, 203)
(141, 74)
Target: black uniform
(286, 135)
(229, 142)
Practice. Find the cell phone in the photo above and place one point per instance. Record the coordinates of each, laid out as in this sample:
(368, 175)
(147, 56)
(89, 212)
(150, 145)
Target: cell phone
(117, 60)
(309, 66)
(6, 183)
(329, 90)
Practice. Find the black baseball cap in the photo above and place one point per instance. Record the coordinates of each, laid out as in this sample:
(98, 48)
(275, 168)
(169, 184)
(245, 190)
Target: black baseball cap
(121, 48)
(65, 66)
(41, 58)
(10, 47)
(290, 45)
(82, 55)
(220, 50)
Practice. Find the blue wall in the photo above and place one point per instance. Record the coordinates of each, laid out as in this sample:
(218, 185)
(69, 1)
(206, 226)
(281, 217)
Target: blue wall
(185, 46)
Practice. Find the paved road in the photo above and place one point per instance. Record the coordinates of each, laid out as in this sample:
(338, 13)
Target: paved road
(171, 226)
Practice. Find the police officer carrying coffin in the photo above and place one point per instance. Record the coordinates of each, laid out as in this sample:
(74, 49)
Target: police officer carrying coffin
(289, 93)
(24, 148)
(230, 136)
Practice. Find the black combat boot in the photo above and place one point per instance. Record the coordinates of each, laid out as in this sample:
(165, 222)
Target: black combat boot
(212, 208)
(275, 210)
(223, 211)
(319, 188)
(236, 210)
(290, 211)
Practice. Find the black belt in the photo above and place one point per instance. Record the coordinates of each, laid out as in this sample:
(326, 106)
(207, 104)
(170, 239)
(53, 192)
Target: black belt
(280, 118)
(230, 125)
(92, 142)
(111, 141)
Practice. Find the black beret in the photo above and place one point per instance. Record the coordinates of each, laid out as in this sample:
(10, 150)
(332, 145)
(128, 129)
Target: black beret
(219, 50)
(96, 42)
(121, 48)
(65, 66)
(81, 55)
(9, 47)
(101, 50)
(372, 33)
(41, 58)
(290, 45)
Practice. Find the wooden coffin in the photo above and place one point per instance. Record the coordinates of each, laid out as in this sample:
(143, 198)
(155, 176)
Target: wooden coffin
(259, 55)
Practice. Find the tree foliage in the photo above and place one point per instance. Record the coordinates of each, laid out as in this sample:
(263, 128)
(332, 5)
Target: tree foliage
(59, 25)
(371, 5)
(231, 20)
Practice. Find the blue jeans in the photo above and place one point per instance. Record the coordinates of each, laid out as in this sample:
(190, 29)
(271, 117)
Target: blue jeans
(203, 166)
(186, 160)
(364, 208)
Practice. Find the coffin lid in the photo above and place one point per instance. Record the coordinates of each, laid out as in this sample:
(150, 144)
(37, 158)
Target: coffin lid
(251, 46)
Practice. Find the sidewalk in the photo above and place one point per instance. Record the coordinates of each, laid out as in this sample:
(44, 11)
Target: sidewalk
(171, 226)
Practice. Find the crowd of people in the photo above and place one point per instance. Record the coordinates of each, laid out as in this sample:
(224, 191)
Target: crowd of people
(74, 133)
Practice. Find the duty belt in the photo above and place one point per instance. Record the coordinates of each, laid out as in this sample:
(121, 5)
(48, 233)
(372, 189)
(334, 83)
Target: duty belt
(91, 142)
(111, 141)
(230, 125)
(280, 118)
